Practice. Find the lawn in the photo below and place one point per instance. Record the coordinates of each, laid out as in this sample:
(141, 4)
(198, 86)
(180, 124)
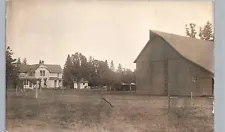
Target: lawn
(86, 111)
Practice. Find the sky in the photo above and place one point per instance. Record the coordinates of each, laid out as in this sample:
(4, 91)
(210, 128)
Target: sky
(49, 30)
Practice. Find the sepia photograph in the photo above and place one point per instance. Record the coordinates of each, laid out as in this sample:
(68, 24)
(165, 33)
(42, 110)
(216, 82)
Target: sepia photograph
(109, 66)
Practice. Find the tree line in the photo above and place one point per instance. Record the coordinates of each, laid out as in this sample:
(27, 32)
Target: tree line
(97, 72)
(204, 33)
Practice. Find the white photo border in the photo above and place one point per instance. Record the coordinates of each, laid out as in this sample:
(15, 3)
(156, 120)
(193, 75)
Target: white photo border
(219, 65)
(2, 67)
(219, 53)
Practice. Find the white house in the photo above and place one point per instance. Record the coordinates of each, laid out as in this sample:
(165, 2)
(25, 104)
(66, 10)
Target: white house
(81, 85)
(41, 75)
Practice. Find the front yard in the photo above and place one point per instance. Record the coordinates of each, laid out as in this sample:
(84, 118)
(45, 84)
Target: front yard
(74, 111)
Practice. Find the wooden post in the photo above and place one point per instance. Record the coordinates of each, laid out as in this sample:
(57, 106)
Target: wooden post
(36, 93)
(191, 100)
(168, 103)
(166, 80)
(62, 89)
(16, 91)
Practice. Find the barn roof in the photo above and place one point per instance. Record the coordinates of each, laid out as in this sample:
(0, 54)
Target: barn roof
(50, 67)
(195, 50)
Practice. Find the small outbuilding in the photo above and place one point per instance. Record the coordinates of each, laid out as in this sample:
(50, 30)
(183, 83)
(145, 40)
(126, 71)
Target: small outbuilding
(81, 84)
(175, 65)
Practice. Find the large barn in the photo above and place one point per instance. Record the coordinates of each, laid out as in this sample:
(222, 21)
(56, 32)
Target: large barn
(175, 65)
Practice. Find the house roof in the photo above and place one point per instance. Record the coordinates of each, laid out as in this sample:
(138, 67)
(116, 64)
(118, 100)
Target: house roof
(50, 67)
(195, 50)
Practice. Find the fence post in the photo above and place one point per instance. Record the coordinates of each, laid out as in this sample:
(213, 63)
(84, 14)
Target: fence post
(191, 100)
(168, 102)
(62, 91)
(36, 93)
(16, 91)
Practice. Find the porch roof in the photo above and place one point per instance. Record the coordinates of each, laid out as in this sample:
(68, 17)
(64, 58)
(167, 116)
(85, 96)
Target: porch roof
(28, 78)
(55, 78)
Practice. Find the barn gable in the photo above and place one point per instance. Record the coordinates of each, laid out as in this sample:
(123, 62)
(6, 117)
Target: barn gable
(197, 51)
(163, 66)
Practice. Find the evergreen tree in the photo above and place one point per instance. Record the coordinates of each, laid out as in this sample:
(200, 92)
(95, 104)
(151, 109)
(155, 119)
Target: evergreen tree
(120, 68)
(25, 61)
(112, 67)
(190, 30)
(84, 69)
(18, 61)
(11, 68)
(76, 67)
(67, 72)
(206, 33)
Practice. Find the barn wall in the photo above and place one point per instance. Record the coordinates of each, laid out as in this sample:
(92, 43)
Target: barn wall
(150, 69)
(181, 74)
(143, 76)
(150, 74)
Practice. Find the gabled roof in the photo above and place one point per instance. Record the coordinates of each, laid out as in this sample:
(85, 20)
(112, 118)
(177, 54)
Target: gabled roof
(50, 67)
(195, 50)
(53, 68)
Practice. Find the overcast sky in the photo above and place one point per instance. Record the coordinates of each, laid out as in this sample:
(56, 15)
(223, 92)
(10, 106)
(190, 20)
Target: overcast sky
(49, 30)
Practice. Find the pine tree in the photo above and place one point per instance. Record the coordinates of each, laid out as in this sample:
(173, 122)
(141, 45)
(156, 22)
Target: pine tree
(11, 68)
(67, 72)
(84, 71)
(120, 68)
(112, 67)
(190, 30)
(25, 61)
(206, 33)
(76, 66)
(18, 61)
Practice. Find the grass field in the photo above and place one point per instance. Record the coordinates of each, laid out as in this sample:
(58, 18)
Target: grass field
(86, 111)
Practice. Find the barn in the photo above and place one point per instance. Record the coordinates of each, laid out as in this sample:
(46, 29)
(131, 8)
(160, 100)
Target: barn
(175, 65)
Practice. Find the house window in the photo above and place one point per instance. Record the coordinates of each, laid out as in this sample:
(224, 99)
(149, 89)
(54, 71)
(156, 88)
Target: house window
(42, 72)
(57, 74)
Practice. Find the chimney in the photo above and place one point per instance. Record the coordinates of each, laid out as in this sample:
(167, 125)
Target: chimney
(42, 62)
(39, 61)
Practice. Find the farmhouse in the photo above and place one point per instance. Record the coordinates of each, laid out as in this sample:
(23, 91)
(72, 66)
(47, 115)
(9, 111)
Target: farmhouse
(175, 65)
(41, 75)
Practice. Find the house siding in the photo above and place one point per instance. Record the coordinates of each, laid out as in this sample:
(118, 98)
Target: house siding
(51, 83)
(150, 76)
